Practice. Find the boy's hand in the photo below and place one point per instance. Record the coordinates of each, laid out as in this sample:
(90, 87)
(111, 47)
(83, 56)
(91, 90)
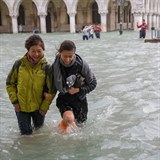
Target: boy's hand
(43, 113)
(17, 107)
(73, 90)
(48, 96)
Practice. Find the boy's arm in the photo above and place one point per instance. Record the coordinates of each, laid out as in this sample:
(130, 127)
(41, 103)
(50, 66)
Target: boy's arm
(139, 26)
(50, 94)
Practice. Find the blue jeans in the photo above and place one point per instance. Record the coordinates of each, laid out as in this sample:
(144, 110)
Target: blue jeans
(85, 37)
(24, 121)
(97, 34)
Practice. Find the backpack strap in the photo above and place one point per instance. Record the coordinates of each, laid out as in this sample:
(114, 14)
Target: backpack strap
(45, 68)
(17, 64)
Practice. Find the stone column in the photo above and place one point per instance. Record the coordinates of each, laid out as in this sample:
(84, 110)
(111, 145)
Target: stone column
(43, 23)
(137, 19)
(72, 22)
(155, 20)
(103, 21)
(150, 21)
(14, 24)
(158, 21)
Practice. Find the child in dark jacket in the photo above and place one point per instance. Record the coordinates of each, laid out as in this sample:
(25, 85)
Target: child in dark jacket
(73, 79)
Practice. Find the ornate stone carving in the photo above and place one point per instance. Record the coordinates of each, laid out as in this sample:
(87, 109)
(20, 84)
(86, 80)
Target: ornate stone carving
(137, 6)
(103, 12)
(72, 14)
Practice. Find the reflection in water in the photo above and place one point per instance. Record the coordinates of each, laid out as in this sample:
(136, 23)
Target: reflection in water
(124, 110)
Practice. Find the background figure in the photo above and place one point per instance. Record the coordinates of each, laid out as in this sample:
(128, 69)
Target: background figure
(73, 79)
(120, 28)
(91, 32)
(144, 27)
(35, 31)
(28, 86)
(20, 27)
(97, 30)
(85, 32)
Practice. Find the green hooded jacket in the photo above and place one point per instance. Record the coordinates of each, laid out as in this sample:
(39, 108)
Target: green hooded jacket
(26, 85)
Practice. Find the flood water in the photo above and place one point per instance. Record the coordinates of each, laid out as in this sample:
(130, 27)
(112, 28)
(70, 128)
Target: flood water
(124, 110)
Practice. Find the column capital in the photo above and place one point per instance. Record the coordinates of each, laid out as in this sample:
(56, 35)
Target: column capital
(146, 14)
(156, 14)
(13, 15)
(103, 12)
(42, 14)
(138, 6)
(71, 13)
(138, 13)
(150, 14)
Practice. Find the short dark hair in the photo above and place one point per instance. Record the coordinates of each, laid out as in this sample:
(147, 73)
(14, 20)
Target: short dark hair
(34, 40)
(67, 45)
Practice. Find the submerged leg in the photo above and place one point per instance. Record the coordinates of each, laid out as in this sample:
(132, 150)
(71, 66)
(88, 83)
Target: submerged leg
(67, 124)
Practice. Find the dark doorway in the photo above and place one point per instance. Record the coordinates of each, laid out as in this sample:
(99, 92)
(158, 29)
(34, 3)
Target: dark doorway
(95, 14)
(21, 17)
(48, 22)
(0, 18)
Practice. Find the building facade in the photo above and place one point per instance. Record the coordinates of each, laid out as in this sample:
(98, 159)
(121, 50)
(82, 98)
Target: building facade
(70, 15)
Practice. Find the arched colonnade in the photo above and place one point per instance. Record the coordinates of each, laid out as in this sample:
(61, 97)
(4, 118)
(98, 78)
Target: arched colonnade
(71, 15)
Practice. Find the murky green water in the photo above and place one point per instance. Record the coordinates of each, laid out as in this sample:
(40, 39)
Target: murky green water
(124, 110)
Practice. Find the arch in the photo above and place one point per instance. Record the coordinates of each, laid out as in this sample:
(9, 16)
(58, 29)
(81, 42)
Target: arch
(103, 5)
(8, 6)
(36, 21)
(16, 7)
(119, 13)
(75, 3)
(57, 17)
(28, 17)
(36, 3)
(5, 19)
(84, 13)
(45, 5)
(63, 21)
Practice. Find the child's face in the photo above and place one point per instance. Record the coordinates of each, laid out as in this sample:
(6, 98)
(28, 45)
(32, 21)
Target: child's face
(67, 56)
(36, 53)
